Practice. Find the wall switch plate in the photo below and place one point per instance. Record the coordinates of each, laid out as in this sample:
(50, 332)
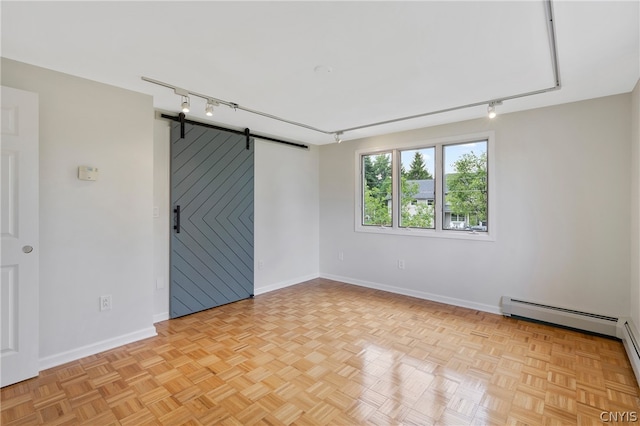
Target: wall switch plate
(341, 255)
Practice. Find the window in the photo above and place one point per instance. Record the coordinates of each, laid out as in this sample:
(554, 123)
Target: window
(417, 188)
(436, 188)
(455, 218)
(377, 195)
(465, 186)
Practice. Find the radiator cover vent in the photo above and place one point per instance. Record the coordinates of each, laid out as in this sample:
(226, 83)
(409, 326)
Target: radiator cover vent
(629, 337)
(587, 321)
(571, 311)
(632, 339)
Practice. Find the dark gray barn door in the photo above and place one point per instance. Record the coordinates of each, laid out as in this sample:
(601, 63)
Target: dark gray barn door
(212, 186)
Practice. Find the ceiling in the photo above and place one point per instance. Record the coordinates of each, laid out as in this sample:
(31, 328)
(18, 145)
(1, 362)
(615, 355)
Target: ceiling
(334, 65)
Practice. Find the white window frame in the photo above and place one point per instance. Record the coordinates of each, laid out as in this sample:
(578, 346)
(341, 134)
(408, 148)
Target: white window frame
(438, 232)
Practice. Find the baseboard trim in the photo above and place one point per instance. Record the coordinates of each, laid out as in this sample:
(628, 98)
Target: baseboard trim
(418, 294)
(284, 284)
(94, 348)
(160, 317)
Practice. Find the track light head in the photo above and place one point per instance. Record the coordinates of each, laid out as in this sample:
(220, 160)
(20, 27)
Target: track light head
(491, 109)
(208, 110)
(337, 137)
(185, 104)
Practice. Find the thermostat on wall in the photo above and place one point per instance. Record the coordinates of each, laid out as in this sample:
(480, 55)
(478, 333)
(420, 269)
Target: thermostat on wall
(87, 173)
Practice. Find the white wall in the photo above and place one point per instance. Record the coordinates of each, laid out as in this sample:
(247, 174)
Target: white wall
(286, 239)
(286, 215)
(161, 223)
(563, 213)
(635, 206)
(96, 238)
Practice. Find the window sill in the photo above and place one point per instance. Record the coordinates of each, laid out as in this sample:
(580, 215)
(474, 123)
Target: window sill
(428, 233)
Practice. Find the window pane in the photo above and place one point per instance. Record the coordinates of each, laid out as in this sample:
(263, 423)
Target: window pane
(465, 187)
(418, 194)
(377, 189)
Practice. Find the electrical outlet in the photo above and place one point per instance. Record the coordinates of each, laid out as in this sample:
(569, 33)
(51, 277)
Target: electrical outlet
(260, 264)
(105, 303)
(341, 255)
(400, 263)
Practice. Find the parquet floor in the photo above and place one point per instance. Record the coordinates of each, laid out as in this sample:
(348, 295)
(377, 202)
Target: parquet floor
(329, 353)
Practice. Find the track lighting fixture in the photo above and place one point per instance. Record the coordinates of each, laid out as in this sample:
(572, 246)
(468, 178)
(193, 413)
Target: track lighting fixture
(208, 110)
(491, 104)
(185, 104)
(491, 109)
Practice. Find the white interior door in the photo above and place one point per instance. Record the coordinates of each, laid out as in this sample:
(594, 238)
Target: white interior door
(19, 234)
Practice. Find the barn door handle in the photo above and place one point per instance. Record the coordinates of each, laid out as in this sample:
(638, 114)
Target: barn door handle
(177, 219)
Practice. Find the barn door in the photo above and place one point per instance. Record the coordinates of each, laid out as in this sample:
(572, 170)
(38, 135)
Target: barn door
(212, 201)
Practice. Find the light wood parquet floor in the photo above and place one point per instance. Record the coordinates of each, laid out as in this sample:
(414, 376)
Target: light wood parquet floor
(323, 353)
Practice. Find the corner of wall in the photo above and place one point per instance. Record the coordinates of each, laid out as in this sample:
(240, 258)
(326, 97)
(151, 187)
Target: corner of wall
(635, 205)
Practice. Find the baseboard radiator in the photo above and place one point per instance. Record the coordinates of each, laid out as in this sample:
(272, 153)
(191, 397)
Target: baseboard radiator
(628, 333)
(594, 323)
(622, 328)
